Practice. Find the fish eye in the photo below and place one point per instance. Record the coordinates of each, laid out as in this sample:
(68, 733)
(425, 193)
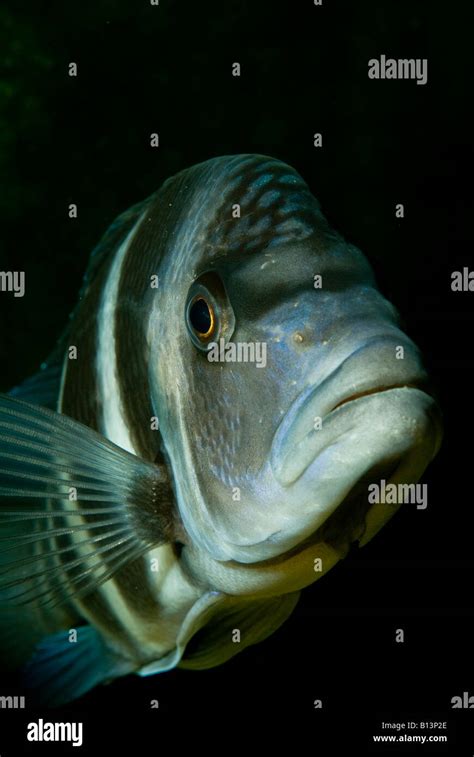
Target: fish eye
(208, 313)
(202, 318)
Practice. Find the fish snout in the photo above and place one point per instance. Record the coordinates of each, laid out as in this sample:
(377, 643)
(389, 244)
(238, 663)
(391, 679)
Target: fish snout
(373, 413)
(379, 366)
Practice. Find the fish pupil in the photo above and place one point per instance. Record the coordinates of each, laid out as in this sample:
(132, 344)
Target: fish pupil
(200, 317)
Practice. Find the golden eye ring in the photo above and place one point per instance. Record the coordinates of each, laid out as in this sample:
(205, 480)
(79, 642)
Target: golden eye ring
(208, 312)
(202, 318)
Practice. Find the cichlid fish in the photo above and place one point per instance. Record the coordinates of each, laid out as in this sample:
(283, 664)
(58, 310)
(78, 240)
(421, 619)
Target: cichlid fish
(155, 500)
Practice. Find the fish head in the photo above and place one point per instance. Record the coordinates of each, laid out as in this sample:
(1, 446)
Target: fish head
(282, 380)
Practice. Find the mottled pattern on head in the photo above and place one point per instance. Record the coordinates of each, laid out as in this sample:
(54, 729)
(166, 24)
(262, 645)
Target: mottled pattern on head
(275, 203)
(276, 207)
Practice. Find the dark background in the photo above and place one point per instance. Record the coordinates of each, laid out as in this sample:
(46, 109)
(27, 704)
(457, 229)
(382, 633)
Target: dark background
(167, 69)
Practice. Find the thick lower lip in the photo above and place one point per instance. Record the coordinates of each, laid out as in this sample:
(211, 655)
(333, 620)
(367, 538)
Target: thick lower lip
(341, 529)
(347, 525)
(359, 430)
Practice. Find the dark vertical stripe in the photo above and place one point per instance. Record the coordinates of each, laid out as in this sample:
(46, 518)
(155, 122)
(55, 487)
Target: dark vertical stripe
(81, 397)
(132, 582)
(131, 317)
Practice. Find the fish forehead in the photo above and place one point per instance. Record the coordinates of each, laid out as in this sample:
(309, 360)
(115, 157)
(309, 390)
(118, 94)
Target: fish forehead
(272, 204)
(275, 206)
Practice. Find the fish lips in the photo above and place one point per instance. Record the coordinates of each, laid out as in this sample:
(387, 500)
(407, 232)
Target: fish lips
(371, 370)
(399, 427)
(296, 447)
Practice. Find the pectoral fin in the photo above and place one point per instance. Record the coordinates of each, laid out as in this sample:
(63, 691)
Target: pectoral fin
(74, 508)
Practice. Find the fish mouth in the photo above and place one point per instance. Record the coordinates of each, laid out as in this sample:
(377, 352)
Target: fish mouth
(296, 443)
(368, 374)
(422, 386)
(368, 433)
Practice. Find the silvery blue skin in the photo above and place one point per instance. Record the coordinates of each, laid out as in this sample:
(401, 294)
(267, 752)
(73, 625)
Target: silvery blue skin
(256, 483)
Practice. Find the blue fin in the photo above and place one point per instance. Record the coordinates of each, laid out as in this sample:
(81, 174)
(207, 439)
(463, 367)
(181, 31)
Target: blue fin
(61, 670)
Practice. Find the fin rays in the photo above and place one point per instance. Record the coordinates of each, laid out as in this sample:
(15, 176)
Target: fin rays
(46, 553)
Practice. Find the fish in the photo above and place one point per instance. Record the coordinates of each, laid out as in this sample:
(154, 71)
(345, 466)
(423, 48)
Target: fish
(162, 509)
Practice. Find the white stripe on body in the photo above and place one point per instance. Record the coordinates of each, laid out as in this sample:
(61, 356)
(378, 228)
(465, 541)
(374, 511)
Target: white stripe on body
(112, 424)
